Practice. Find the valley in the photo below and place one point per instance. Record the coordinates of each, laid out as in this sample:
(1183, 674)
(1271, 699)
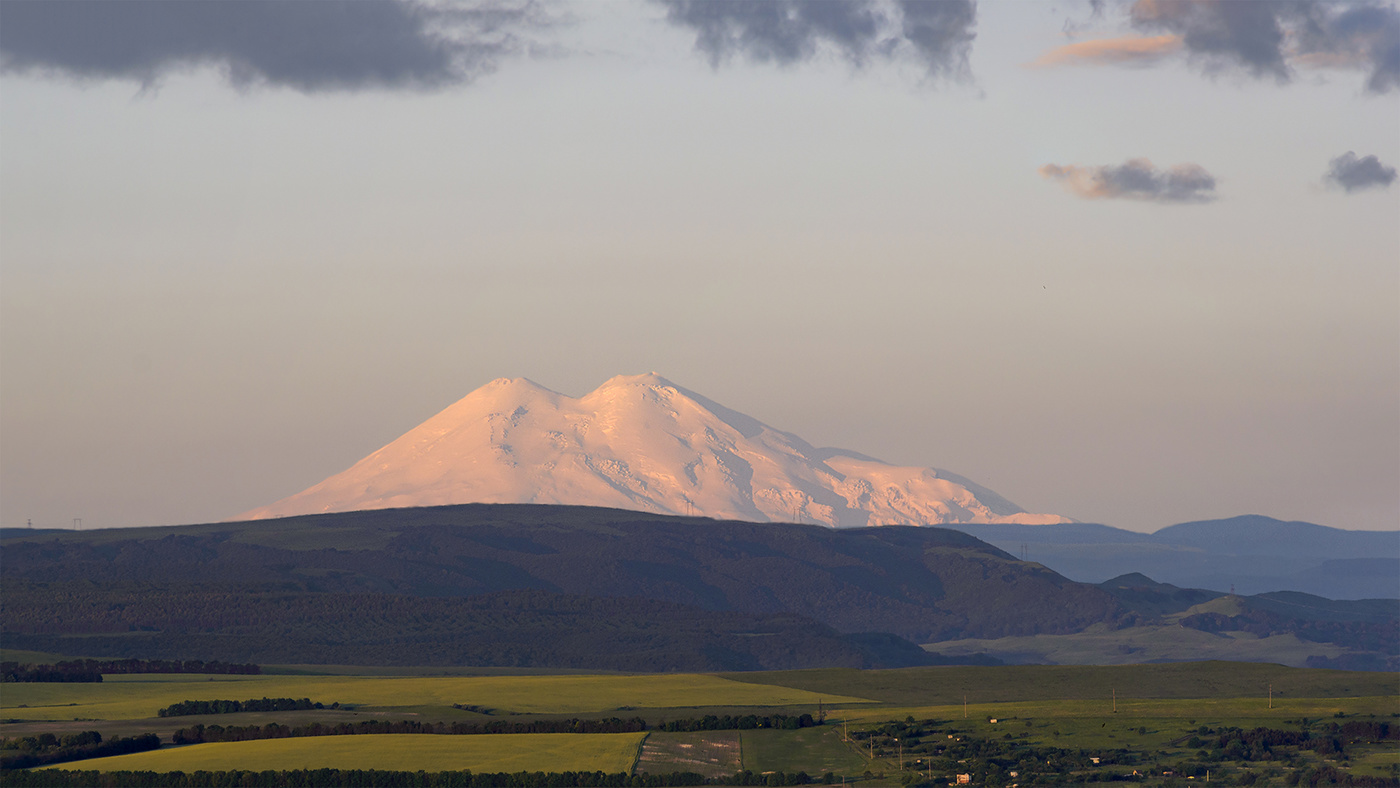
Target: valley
(640, 649)
(911, 726)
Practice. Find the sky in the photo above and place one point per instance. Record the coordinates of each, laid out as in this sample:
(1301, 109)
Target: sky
(1135, 263)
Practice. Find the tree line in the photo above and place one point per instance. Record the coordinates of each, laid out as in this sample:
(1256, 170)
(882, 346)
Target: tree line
(91, 670)
(187, 708)
(1258, 744)
(374, 778)
(746, 722)
(213, 733)
(47, 748)
(200, 733)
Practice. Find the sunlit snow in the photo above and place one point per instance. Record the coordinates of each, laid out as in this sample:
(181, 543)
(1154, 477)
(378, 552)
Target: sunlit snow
(640, 442)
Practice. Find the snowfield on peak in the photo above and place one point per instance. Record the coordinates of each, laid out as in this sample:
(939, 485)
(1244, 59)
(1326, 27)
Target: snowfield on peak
(643, 443)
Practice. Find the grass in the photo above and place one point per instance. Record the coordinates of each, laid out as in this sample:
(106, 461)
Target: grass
(607, 752)
(344, 538)
(1142, 644)
(1019, 683)
(813, 750)
(1132, 713)
(1376, 762)
(1158, 708)
(140, 696)
(709, 753)
(31, 657)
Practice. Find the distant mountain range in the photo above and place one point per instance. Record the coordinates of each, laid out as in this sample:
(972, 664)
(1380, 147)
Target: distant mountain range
(1251, 554)
(642, 443)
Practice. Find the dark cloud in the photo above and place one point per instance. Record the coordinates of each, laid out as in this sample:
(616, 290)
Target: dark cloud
(1224, 33)
(308, 46)
(941, 32)
(1354, 174)
(1135, 179)
(938, 33)
(1362, 36)
(778, 31)
(1266, 37)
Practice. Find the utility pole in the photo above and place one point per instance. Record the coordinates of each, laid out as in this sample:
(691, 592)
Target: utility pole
(1115, 700)
(964, 707)
(1271, 696)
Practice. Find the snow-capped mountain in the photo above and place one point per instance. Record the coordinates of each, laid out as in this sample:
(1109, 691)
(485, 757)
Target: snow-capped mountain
(643, 443)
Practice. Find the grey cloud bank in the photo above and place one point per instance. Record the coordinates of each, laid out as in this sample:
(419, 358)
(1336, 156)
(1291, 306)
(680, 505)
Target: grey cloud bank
(1356, 174)
(310, 47)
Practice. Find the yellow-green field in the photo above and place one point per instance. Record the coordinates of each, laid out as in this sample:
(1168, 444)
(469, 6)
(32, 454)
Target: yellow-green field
(1209, 711)
(140, 696)
(548, 752)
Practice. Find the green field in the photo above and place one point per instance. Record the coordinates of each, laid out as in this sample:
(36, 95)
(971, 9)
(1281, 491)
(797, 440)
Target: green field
(907, 719)
(1215, 709)
(606, 752)
(1142, 644)
(1020, 683)
(124, 697)
(813, 750)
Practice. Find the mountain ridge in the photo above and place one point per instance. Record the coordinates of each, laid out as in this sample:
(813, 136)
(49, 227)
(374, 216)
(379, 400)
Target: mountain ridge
(1254, 554)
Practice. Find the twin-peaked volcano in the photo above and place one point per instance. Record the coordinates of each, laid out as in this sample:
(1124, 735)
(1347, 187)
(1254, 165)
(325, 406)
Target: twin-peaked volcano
(643, 443)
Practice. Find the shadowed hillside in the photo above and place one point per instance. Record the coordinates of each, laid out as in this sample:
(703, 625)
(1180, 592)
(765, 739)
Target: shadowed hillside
(528, 585)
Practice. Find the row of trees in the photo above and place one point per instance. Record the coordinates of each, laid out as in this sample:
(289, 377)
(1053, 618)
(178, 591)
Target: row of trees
(190, 707)
(91, 670)
(1235, 744)
(200, 733)
(711, 722)
(47, 748)
(372, 778)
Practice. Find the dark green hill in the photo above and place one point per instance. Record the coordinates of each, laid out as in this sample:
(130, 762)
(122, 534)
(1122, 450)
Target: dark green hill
(503, 629)
(1142, 594)
(536, 586)
(922, 584)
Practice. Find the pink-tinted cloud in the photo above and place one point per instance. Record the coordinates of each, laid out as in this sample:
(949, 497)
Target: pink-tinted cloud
(1266, 39)
(1135, 179)
(1129, 51)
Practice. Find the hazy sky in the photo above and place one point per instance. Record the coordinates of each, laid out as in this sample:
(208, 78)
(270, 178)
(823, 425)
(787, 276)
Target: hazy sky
(1133, 263)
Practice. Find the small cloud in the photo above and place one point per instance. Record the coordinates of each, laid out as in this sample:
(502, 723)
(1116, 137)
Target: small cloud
(1135, 179)
(1129, 51)
(331, 45)
(1354, 174)
(788, 32)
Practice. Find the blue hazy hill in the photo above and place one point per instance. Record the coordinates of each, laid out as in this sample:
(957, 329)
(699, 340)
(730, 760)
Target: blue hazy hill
(1252, 553)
